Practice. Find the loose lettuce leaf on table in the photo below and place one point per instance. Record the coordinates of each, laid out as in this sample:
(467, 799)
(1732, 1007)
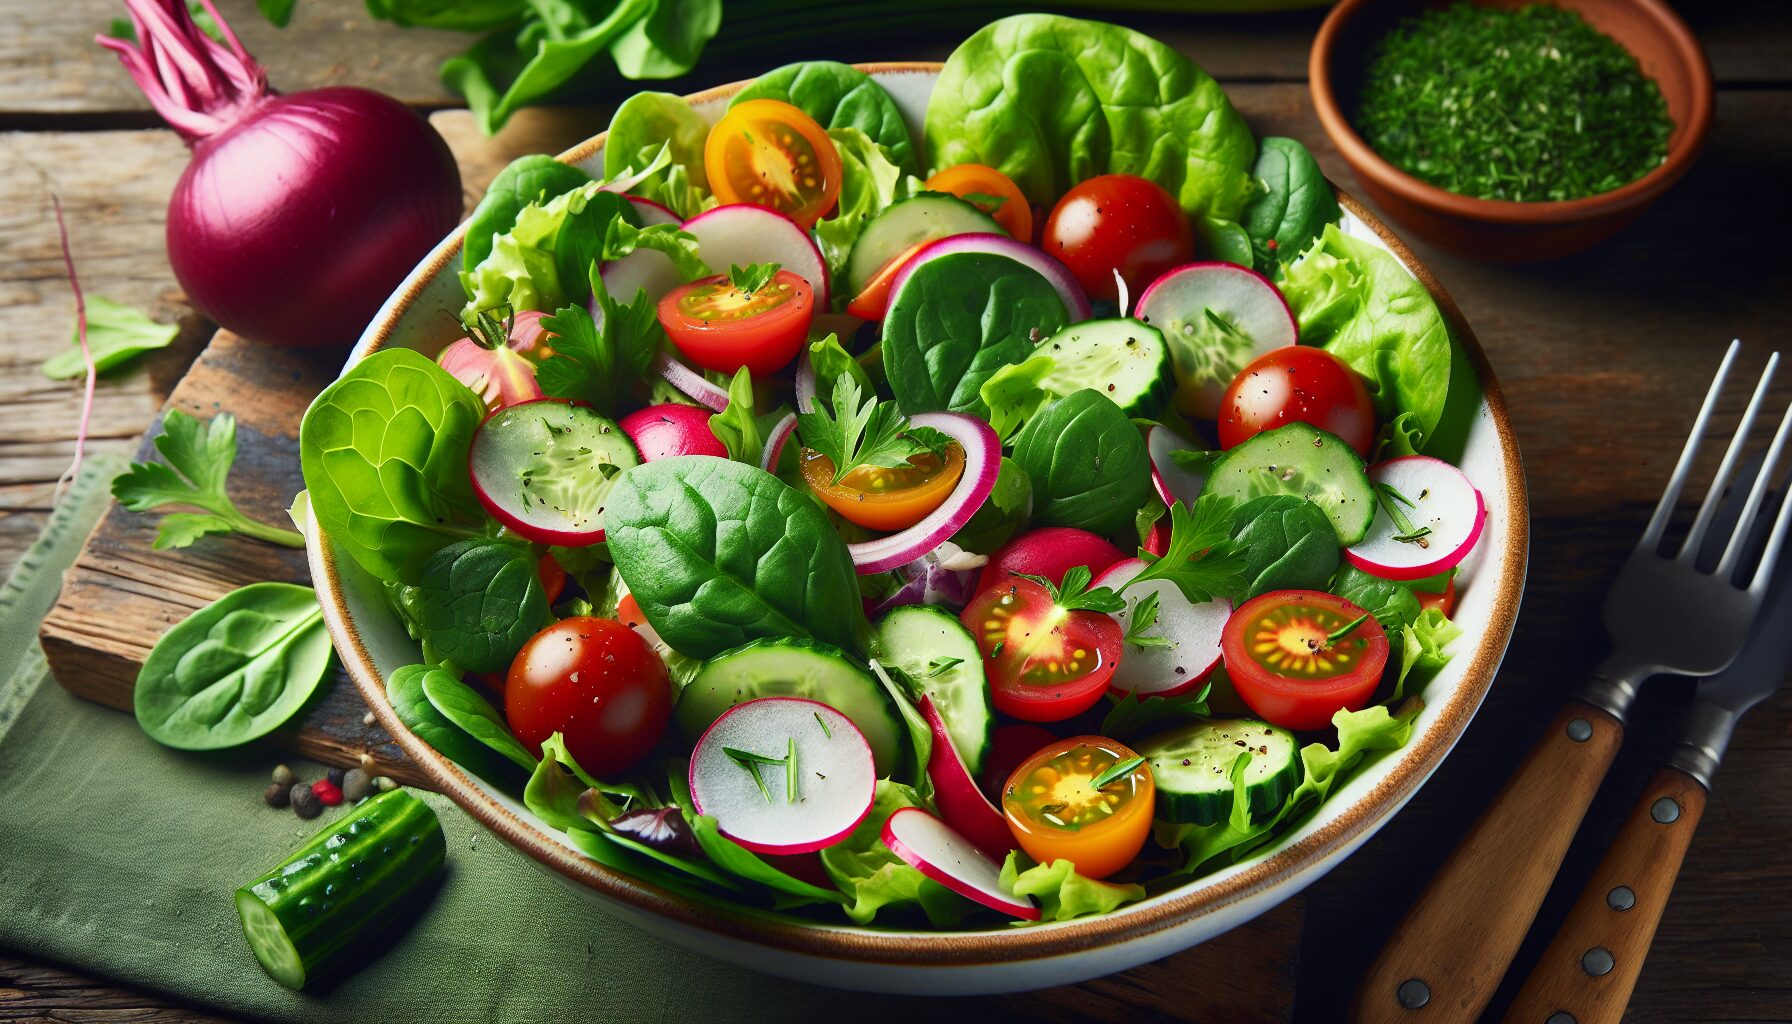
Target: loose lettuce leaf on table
(115, 334)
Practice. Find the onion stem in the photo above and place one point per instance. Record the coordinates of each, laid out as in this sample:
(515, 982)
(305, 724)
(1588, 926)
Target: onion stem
(198, 85)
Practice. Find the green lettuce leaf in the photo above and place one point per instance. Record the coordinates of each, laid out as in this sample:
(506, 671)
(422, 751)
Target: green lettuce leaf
(523, 270)
(1062, 893)
(1422, 643)
(870, 179)
(648, 123)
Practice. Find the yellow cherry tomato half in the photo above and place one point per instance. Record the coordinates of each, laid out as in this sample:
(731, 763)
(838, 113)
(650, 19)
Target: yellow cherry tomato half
(885, 499)
(992, 192)
(770, 154)
(1056, 813)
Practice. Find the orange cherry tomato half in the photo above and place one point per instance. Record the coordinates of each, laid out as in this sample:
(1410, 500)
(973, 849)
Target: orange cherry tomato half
(1289, 658)
(1056, 813)
(722, 328)
(770, 154)
(872, 303)
(1044, 664)
(992, 192)
(1444, 600)
(885, 499)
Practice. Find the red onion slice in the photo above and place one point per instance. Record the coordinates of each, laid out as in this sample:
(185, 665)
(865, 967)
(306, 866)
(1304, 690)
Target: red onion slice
(774, 443)
(690, 383)
(805, 382)
(982, 460)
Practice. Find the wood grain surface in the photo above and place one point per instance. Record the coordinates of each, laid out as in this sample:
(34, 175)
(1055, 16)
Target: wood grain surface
(1602, 358)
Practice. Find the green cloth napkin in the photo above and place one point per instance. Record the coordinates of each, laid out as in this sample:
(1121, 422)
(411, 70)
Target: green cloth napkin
(119, 857)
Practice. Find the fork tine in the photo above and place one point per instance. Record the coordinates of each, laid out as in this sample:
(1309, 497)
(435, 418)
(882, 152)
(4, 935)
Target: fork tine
(1738, 441)
(1756, 496)
(1658, 522)
(1765, 571)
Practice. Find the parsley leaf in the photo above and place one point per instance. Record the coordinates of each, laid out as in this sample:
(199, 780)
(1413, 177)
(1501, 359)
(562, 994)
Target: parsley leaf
(1144, 616)
(599, 364)
(752, 277)
(198, 456)
(864, 433)
(1074, 594)
(1202, 561)
(623, 238)
(1132, 717)
(115, 334)
(738, 427)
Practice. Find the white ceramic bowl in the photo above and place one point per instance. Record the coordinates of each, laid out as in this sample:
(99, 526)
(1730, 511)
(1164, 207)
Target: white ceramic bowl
(373, 643)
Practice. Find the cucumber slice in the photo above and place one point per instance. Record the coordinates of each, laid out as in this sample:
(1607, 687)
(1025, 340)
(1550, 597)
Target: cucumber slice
(780, 667)
(936, 652)
(1124, 359)
(311, 909)
(1308, 463)
(907, 222)
(1192, 767)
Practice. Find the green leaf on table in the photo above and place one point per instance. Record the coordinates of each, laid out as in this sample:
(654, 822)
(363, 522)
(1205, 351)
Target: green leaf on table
(278, 12)
(116, 333)
(668, 41)
(198, 455)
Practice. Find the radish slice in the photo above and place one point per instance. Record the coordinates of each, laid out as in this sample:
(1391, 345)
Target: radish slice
(934, 849)
(545, 469)
(774, 442)
(1193, 631)
(741, 233)
(1442, 501)
(1062, 280)
(1216, 317)
(652, 213)
(982, 460)
(835, 775)
(662, 431)
(961, 803)
(690, 382)
(1173, 481)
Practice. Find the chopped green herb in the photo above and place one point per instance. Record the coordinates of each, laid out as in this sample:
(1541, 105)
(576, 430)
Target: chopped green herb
(752, 277)
(1074, 593)
(751, 762)
(825, 731)
(940, 666)
(1391, 500)
(1144, 616)
(1345, 630)
(1116, 771)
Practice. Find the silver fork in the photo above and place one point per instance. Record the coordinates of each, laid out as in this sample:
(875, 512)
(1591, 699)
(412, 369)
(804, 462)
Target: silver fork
(1665, 614)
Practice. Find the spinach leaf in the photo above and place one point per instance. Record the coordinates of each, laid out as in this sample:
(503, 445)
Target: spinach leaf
(1226, 240)
(198, 456)
(1052, 101)
(472, 714)
(405, 692)
(959, 319)
(838, 96)
(1293, 204)
(116, 333)
(1355, 299)
(579, 244)
(481, 600)
(454, 15)
(743, 863)
(513, 68)
(1392, 604)
(718, 553)
(1002, 515)
(235, 670)
(1288, 544)
(1087, 463)
(528, 179)
(384, 452)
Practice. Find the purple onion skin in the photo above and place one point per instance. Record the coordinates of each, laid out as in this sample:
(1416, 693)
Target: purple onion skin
(295, 224)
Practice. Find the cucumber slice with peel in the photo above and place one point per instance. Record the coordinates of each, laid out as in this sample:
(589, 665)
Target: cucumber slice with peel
(1122, 358)
(1192, 767)
(1306, 462)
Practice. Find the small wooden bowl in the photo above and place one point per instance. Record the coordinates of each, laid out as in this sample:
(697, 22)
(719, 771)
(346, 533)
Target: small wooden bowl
(1499, 230)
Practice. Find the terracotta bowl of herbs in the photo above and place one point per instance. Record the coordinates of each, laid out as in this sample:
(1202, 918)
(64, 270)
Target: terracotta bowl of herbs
(1512, 131)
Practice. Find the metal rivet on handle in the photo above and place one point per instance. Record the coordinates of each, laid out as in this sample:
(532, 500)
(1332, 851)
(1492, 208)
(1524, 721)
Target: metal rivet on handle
(1413, 993)
(1597, 961)
(1580, 730)
(1620, 898)
(1666, 811)
(1560, 1017)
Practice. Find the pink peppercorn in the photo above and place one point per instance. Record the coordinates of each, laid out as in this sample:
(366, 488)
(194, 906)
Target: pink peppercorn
(327, 791)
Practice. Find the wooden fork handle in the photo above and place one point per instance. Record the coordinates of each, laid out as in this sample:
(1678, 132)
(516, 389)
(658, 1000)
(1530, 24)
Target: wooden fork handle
(1592, 964)
(1448, 955)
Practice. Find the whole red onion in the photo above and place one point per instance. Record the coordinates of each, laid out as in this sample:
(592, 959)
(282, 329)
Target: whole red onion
(299, 213)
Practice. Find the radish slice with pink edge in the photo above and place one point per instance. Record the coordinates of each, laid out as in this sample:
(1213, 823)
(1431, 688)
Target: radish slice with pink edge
(1193, 632)
(740, 233)
(690, 383)
(835, 776)
(1216, 318)
(933, 848)
(961, 803)
(663, 431)
(1062, 280)
(1172, 480)
(545, 469)
(1430, 494)
(774, 442)
(652, 213)
(982, 461)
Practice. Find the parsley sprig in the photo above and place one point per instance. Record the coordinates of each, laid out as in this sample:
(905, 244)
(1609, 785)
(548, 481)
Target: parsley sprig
(1075, 594)
(600, 363)
(1144, 616)
(752, 277)
(1202, 561)
(197, 457)
(862, 431)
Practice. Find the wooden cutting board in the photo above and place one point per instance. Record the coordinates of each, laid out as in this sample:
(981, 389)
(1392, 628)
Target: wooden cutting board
(121, 596)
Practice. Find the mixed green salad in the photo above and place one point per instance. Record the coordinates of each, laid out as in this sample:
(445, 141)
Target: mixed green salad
(1004, 523)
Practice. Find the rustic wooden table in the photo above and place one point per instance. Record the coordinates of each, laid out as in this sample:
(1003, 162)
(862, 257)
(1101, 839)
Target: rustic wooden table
(1602, 358)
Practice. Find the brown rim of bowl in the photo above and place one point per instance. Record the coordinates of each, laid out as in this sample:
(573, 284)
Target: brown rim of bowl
(843, 942)
(1689, 136)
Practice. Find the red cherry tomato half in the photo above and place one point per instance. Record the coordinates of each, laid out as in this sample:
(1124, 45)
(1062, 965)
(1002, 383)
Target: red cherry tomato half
(596, 683)
(1444, 600)
(1050, 551)
(1289, 660)
(1298, 382)
(1118, 222)
(874, 301)
(553, 578)
(1044, 664)
(722, 328)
